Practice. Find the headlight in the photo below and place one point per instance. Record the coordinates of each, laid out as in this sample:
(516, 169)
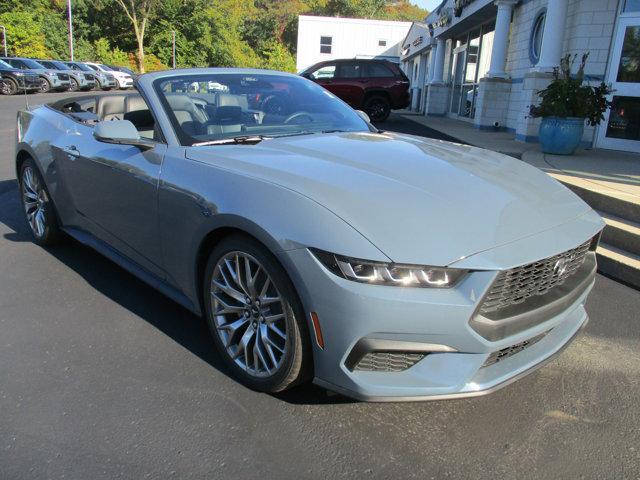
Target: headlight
(18, 74)
(50, 74)
(391, 274)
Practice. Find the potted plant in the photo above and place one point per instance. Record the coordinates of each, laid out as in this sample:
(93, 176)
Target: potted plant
(565, 105)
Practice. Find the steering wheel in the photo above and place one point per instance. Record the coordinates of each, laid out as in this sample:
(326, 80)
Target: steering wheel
(297, 115)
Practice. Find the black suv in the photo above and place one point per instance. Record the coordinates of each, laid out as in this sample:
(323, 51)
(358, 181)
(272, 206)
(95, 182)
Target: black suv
(375, 86)
(15, 80)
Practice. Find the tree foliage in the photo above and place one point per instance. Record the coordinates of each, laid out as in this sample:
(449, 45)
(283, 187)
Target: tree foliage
(137, 33)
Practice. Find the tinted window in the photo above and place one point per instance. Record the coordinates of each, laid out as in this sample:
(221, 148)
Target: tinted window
(93, 67)
(327, 71)
(216, 106)
(378, 70)
(350, 70)
(14, 63)
(31, 63)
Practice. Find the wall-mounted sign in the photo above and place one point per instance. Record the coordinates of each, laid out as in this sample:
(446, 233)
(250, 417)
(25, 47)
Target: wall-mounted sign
(459, 5)
(417, 41)
(443, 20)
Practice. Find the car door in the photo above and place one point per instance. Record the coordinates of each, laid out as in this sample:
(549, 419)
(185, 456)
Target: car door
(350, 83)
(325, 75)
(114, 190)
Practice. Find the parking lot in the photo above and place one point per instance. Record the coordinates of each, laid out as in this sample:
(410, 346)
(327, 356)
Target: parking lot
(103, 377)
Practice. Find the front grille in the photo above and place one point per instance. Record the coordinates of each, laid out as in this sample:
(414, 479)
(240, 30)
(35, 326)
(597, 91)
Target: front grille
(88, 77)
(388, 361)
(515, 286)
(63, 76)
(505, 353)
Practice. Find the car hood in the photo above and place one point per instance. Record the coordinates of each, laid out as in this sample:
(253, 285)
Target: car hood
(420, 201)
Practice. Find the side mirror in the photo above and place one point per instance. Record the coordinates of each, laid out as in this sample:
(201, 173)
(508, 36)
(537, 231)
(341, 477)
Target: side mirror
(363, 116)
(120, 132)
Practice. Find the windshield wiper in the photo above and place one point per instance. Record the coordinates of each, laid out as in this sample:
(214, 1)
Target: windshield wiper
(239, 140)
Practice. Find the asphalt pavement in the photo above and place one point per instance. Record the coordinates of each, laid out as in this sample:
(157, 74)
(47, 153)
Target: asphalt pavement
(101, 377)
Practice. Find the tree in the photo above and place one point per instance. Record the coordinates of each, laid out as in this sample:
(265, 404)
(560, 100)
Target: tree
(24, 35)
(139, 12)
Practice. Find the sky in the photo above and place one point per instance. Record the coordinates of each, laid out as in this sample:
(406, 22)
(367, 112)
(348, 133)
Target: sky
(428, 4)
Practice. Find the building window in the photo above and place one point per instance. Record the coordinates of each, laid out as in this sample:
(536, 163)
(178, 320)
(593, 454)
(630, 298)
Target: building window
(537, 32)
(382, 43)
(325, 44)
(632, 6)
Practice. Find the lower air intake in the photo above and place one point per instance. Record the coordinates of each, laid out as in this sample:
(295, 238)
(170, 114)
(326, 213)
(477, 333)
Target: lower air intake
(505, 353)
(388, 361)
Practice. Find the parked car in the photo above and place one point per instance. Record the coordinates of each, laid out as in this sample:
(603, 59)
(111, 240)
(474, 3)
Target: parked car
(78, 80)
(49, 79)
(375, 86)
(124, 79)
(383, 266)
(16, 80)
(104, 80)
(126, 70)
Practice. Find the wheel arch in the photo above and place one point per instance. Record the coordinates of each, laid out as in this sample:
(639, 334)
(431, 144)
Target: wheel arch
(375, 91)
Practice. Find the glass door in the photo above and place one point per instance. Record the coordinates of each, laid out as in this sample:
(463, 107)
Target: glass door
(621, 129)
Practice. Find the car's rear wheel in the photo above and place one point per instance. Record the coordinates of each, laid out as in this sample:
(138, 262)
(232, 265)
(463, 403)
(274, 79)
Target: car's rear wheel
(45, 86)
(255, 316)
(73, 84)
(38, 207)
(378, 108)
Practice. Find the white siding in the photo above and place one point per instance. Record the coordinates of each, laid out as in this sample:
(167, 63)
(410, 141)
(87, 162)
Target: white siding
(351, 38)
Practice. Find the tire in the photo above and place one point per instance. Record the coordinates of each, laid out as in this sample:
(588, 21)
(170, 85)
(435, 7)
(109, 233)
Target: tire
(37, 205)
(73, 84)
(45, 86)
(12, 86)
(377, 107)
(278, 363)
(98, 85)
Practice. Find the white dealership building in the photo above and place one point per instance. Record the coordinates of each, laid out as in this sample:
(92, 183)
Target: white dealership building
(483, 62)
(329, 38)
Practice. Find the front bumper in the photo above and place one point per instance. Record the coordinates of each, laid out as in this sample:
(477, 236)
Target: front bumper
(436, 322)
(125, 82)
(58, 84)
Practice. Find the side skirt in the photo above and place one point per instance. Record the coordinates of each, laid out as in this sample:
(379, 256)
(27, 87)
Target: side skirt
(133, 268)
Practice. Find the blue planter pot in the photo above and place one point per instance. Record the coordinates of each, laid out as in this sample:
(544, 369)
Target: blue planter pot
(561, 136)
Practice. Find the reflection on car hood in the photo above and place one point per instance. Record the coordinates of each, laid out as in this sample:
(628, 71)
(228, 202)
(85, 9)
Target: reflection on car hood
(418, 200)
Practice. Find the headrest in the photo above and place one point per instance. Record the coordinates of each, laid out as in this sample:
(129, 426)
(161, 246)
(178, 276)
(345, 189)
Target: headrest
(230, 100)
(110, 105)
(135, 102)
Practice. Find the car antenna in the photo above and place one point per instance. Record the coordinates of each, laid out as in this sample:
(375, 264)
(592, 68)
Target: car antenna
(26, 98)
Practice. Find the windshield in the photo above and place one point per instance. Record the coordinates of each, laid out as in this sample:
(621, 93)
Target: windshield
(56, 65)
(216, 106)
(93, 67)
(31, 64)
(105, 67)
(4, 65)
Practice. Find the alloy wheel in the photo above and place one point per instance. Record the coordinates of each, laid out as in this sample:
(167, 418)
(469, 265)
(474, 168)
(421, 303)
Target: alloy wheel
(45, 86)
(34, 198)
(249, 314)
(73, 84)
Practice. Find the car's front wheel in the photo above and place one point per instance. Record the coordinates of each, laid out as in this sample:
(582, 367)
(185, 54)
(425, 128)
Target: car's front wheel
(38, 207)
(255, 316)
(73, 84)
(11, 87)
(378, 108)
(45, 86)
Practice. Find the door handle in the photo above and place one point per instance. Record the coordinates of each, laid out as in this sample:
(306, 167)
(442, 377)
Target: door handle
(71, 150)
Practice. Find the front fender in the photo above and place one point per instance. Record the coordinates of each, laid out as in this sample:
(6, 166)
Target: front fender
(196, 199)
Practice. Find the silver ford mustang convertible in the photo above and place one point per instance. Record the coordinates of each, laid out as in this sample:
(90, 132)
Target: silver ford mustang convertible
(379, 265)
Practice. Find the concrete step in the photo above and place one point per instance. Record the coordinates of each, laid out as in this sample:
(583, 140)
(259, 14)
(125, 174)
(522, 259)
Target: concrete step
(604, 202)
(621, 233)
(617, 263)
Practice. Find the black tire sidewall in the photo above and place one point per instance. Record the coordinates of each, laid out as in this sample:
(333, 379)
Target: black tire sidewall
(378, 99)
(45, 85)
(295, 366)
(73, 84)
(12, 86)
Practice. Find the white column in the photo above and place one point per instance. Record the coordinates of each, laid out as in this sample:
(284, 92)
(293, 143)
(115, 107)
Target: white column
(553, 38)
(432, 63)
(438, 70)
(501, 39)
